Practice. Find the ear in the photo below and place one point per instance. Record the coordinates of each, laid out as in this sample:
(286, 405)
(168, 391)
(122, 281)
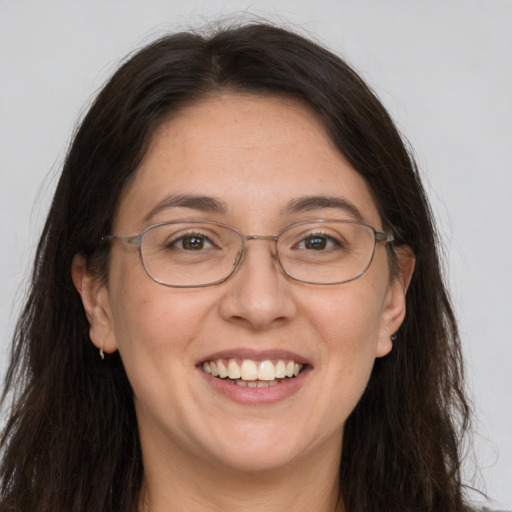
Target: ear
(394, 308)
(95, 300)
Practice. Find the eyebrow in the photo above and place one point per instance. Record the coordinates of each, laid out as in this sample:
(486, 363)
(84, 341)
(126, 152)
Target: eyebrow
(210, 204)
(196, 202)
(313, 203)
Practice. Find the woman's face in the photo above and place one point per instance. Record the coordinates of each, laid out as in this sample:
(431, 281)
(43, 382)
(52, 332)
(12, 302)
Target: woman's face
(254, 156)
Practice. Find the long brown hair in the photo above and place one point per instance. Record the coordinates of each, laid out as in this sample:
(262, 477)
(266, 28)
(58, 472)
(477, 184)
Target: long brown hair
(71, 441)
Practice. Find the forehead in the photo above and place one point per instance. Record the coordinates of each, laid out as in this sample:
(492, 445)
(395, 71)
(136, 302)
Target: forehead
(255, 154)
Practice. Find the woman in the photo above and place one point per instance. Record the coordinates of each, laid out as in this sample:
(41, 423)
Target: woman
(236, 301)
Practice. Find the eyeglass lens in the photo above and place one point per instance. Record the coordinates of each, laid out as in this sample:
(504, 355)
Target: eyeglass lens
(190, 253)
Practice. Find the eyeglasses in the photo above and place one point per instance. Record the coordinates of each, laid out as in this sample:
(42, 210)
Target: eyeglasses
(195, 253)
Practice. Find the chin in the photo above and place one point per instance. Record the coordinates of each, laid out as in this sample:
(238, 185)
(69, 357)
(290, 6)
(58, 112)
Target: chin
(257, 450)
(261, 462)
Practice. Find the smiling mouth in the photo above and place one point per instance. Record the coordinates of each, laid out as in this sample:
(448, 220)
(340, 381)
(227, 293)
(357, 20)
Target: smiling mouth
(251, 373)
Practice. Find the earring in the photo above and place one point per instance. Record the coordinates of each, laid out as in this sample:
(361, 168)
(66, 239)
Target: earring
(393, 338)
(102, 354)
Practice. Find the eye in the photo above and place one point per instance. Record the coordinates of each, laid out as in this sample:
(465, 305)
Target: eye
(318, 242)
(191, 242)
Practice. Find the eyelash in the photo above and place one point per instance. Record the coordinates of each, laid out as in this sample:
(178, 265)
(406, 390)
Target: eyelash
(323, 235)
(180, 237)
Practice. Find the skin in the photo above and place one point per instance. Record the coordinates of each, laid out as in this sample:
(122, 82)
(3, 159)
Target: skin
(201, 450)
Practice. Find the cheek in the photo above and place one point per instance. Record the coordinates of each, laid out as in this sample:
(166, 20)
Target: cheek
(348, 323)
(157, 333)
(349, 317)
(146, 315)
(155, 330)
(157, 320)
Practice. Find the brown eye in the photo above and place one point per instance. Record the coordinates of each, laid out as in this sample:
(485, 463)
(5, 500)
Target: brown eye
(192, 243)
(315, 242)
(319, 242)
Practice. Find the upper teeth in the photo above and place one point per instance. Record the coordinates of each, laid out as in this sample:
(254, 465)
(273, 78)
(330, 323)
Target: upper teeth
(252, 370)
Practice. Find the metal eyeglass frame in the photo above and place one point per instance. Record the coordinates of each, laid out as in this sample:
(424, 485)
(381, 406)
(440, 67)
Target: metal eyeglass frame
(136, 241)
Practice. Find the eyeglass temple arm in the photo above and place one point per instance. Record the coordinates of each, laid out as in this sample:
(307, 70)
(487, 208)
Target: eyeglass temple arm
(129, 240)
(384, 237)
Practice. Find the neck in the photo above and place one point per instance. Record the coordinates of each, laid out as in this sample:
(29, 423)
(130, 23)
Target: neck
(173, 483)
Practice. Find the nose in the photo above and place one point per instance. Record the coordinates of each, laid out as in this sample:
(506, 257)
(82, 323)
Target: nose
(259, 294)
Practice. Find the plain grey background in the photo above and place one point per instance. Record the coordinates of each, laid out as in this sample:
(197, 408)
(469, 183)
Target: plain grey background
(442, 67)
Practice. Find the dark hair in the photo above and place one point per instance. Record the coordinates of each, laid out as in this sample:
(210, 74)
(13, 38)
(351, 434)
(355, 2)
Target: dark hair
(71, 441)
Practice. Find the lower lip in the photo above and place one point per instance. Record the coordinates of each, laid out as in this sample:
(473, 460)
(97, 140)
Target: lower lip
(257, 396)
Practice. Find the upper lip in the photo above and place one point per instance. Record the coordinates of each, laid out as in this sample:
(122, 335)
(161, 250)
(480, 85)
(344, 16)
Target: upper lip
(255, 355)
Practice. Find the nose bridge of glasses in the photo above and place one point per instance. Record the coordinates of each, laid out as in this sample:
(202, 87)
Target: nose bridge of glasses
(260, 237)
(248, 238)
(270, 238)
